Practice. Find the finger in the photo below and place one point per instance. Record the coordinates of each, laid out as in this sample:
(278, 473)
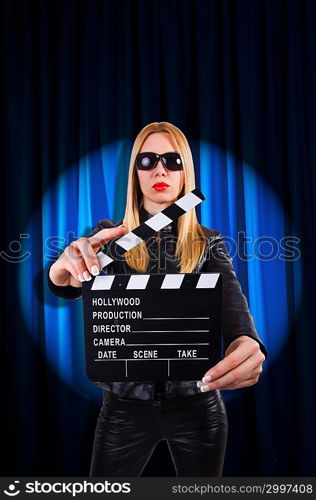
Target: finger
(239, 385)
(105, 235)
(75, 282)
(90, 261)
(75, 277)
(251, 368)
(74, 263)
(245, 383)
(239, 355)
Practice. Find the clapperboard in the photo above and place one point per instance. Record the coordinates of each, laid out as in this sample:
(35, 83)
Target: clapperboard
(151, 327)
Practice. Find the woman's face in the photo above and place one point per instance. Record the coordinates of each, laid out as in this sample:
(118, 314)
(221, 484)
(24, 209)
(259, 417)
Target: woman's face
(153, 199)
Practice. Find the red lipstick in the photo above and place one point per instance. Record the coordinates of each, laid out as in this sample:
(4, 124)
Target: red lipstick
(160, 186)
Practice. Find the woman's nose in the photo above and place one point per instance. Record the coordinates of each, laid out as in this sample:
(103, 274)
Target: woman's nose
(159, 168)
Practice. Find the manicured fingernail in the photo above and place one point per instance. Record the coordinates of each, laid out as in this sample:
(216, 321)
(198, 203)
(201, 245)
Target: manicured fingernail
(204, 388)
(206, 379)
(80, 278)
(199, 383)
(95, 270)
(87, 276)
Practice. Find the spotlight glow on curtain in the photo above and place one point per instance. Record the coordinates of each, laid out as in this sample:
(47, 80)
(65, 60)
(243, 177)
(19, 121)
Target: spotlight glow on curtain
(237, 200)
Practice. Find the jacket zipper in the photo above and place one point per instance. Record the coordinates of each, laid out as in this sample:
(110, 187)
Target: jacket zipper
(158, 248)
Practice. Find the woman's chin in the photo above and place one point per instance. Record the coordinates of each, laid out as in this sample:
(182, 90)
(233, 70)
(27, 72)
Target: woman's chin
(163, 195)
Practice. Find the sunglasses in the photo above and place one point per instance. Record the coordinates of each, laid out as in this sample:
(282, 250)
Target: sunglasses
(148, 161)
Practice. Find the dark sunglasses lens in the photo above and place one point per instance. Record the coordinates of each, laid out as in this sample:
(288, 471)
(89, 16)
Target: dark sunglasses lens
(145, 161)
(172, 161)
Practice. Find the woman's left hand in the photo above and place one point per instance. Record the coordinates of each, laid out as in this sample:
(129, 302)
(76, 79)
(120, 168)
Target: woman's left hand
(241, 366)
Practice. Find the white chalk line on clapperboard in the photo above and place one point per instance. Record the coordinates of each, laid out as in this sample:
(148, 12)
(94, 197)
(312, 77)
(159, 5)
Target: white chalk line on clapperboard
(171, 281)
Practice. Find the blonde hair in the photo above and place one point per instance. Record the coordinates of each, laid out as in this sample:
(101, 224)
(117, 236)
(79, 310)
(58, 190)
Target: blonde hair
(191, 241)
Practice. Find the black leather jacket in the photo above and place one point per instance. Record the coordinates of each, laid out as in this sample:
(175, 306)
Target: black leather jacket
(237, 319)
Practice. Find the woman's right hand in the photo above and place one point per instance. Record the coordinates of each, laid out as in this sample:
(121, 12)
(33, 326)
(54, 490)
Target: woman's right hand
(79, 259)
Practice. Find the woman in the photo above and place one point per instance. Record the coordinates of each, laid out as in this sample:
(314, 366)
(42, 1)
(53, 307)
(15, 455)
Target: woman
(190, 415)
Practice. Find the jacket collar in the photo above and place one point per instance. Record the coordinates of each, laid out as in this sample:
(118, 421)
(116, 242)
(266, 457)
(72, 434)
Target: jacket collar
(144, 215)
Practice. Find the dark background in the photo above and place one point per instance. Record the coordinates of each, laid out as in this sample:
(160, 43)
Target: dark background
(79, 74)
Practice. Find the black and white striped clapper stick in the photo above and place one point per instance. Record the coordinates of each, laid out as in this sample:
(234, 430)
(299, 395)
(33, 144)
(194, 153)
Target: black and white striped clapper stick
(150, 227)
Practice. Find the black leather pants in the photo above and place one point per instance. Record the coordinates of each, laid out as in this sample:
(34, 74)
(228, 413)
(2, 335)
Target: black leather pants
(128, 431)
